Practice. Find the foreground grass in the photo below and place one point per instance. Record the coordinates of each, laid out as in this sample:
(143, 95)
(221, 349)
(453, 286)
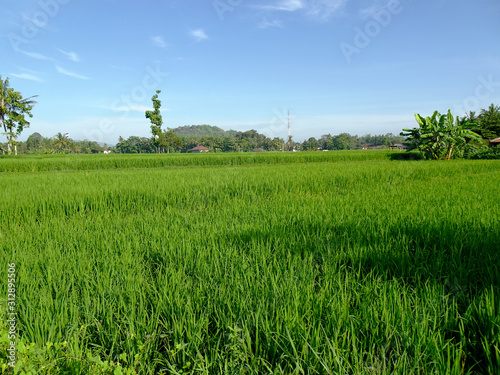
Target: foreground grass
(306, 267)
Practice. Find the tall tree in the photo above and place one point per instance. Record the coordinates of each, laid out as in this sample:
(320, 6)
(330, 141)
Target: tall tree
(156, 120)
(34, 142)
(13, 109)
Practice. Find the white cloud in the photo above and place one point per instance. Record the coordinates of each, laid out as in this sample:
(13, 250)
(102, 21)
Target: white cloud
(286, 5)
(265, 23)
(70, 55)
(159, 41)
(315, 8)
(69, 73)
(28, 76)
(199, 35)
(35, 55)
(324, 8)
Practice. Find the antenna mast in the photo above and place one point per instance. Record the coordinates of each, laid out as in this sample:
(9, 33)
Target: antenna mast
(289, 131)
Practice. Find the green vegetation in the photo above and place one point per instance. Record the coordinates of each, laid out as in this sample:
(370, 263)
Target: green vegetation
(443, 136)
(488, 122)
(237, 142)
(440, 136)
(37, 163)
(276, 263)
(13, 109)
(156, 119)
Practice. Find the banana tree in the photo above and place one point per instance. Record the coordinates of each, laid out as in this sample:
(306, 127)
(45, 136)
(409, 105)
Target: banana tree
(439, 136)
(428, 137)
(458, 132)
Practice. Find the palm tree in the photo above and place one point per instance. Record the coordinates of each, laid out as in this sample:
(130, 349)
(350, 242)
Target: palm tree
(13, 107)
(61, 141)
(490, 122)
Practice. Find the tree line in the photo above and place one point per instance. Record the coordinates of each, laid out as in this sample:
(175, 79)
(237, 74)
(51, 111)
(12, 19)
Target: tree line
(251, 140)
(246, 141)
(436, 137)
(58, 144)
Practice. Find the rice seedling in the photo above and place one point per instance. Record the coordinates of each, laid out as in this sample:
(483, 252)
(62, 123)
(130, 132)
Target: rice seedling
(321, 263)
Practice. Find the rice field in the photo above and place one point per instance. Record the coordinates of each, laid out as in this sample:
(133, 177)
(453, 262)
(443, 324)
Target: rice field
(306, 263)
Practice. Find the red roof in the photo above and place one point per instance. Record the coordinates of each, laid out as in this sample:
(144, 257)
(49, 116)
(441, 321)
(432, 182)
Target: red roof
(496, 140)
(199, 148)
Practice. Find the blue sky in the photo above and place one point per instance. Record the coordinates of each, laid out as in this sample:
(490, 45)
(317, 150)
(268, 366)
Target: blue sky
(338, 65)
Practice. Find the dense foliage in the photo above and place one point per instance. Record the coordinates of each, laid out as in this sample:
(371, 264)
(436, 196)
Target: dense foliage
(13, 112)
(488, 122)
(440, 136)
(311, 265)
(58, 144)
(444, 137)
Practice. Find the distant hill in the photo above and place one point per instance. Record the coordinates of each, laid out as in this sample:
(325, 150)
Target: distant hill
(200, 131)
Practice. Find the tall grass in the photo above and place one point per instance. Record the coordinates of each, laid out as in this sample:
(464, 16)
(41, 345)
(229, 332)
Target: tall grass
(307, 267)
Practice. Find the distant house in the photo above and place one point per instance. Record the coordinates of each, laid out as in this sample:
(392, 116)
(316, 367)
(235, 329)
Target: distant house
(107, 151)
(258, 150)
(398, 146)
(495, 142)
(198, 150)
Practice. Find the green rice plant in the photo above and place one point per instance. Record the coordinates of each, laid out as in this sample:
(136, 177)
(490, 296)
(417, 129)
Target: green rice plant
(38, 163)
(293, 265)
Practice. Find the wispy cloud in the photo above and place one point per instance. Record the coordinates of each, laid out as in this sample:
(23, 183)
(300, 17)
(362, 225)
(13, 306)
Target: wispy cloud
(69, 73)
(199, 35)
(324, 8)
(285, 5)
(28, 76)
(265, 23)
(35, 55)
(70, 55)
(159, 41)
(321, 9)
